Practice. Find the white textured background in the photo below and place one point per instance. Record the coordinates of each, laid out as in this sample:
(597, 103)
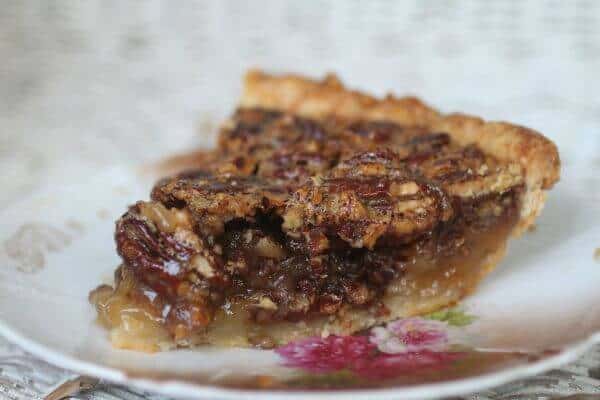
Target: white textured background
(86, 84)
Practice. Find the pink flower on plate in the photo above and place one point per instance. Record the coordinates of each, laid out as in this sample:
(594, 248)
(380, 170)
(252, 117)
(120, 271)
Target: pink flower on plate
(410, 335)
(329, 354)
(399, 348)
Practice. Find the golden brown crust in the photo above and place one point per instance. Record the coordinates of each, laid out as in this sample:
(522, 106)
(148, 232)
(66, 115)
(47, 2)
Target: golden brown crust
(537, 155)
(315, 99)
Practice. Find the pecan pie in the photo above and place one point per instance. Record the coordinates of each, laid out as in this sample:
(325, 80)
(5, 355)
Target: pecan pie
(321, 211)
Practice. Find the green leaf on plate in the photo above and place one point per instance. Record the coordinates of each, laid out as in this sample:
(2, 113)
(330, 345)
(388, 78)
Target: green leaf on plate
(452, 316)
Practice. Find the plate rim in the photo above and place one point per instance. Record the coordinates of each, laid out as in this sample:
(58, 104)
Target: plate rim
(176, 387)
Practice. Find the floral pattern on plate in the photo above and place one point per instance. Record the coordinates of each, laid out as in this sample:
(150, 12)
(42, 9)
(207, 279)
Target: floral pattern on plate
(401, 347)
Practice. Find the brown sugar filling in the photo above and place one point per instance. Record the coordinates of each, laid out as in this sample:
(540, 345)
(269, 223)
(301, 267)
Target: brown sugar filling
(306, 228)
(443, 265)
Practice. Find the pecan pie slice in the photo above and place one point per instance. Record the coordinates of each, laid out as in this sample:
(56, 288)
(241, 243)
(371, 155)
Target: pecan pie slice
(322, 211)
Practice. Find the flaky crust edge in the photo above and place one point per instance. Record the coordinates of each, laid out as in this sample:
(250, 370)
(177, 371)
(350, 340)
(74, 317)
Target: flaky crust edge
(537, 155)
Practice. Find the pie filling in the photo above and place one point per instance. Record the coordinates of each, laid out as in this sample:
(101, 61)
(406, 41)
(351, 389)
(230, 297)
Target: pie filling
(298, 227)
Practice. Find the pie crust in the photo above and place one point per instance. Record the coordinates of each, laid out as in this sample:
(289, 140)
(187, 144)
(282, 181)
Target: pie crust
(384, 229)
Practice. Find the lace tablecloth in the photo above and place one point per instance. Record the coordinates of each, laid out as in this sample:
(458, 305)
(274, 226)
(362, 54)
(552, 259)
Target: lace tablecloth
(87, 84)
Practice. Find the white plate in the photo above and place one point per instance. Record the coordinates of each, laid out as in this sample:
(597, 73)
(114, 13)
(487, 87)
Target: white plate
(538, 310)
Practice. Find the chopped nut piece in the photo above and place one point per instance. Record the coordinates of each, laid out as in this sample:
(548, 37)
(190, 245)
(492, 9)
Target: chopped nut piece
(266, 247)
(201, 264)
(266, 303)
